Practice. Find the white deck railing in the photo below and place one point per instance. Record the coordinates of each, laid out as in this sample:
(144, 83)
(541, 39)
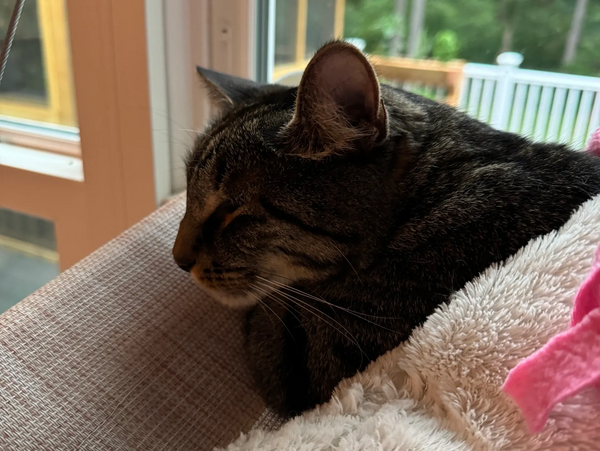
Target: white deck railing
(545, 106)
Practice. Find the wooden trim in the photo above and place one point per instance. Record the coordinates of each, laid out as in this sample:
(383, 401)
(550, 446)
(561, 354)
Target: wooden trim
(33, 193)
(133, 107)
(425, 72)
(108, 50)
(29, 249)
(11, 106)
(454, 83)
(230, 26)
(110, 71)
(55, 39)
(283, 69)
(108, 42)
(338, 27)
(42, 142)
(301, 30)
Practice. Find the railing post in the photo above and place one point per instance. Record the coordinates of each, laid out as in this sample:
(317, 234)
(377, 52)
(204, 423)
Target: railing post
(509, 63)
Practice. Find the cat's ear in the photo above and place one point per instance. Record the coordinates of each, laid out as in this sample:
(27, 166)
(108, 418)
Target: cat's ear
(338, 106)
(226, 90)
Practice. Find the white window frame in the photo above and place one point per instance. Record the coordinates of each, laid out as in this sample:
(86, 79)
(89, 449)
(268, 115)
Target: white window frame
(216, 34)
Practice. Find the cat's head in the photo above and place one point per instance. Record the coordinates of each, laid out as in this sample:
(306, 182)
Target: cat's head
(288, 185)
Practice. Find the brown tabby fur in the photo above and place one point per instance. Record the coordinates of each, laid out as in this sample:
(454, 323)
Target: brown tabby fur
(342, 213)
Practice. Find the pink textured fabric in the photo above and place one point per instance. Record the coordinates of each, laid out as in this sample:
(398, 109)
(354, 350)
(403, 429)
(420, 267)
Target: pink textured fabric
(594, 143)
(124, 352)
(569, 362)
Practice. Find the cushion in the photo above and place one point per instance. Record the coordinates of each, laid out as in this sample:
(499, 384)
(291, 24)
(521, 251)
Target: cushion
(123, 351)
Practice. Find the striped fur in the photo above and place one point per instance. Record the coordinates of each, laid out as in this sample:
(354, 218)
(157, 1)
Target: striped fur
(350, 247)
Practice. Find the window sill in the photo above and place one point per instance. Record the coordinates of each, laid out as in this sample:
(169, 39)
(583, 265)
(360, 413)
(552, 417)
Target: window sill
(42, 162)
(40, 136)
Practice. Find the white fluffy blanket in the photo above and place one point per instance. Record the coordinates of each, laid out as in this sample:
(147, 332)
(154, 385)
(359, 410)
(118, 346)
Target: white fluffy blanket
(441, 390)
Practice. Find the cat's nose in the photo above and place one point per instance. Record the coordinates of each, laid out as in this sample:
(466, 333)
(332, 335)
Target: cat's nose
(183, 256)
(185, 266)
(184, 249)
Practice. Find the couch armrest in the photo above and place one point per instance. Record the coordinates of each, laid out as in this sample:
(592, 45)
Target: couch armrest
(123, 351)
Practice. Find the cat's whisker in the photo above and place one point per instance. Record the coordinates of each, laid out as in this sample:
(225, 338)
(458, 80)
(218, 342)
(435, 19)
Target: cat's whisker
(351, 266)
(351, 312)
(271, 295)
(320, 299)
(264, 310)
(194, 132)
(312, 309)
(336, 325)
(260, 302)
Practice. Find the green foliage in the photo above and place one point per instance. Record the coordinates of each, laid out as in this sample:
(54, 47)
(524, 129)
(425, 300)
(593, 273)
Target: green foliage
(474, 21)
(540, 30)
(587, 61)
(446, 45)
(372, 20)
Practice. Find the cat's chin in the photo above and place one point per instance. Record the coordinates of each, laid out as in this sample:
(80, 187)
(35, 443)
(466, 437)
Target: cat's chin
(237, 300)
(232, 300)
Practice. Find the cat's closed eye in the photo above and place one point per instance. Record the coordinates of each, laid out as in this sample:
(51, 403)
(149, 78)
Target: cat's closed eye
(223, 215)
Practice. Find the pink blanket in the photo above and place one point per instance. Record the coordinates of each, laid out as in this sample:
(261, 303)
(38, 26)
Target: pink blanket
(569, 362)
(593, 145)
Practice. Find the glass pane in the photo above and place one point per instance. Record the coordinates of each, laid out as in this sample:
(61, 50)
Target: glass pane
(25, 74)
(286, 18)
(320, 24)
(442, 38)
(37, 83)
(28, 258)
(557, 39)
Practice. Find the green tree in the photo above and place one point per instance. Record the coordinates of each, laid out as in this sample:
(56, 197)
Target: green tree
(445, 47)
(374, 21)
(575, 32)
(538, 29)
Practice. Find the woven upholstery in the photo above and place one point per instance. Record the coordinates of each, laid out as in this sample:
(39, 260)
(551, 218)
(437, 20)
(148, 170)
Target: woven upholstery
(124, 352)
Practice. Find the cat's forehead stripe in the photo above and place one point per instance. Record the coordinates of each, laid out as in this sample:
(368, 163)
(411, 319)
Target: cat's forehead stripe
(210, 204)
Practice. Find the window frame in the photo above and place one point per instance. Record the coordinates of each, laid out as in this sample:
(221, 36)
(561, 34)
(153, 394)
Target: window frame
(215, 34)
(29, 134)
(125, 155)
(108, 49)
(300, 62)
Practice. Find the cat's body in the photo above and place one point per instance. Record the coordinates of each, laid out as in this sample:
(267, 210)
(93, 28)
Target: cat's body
(417, 201)
(468, 196)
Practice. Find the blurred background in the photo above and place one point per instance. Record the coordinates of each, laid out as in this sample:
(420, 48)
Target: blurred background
(100, 100)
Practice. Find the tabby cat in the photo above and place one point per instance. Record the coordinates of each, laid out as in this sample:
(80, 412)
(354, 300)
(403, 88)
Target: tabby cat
(343, 212)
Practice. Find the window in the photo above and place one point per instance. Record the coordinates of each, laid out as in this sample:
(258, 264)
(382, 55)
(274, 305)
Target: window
(321, 24)
(37, 83)
(90, 174)
(286, 30)
(531, 68)
(301, 27)
(28, 257)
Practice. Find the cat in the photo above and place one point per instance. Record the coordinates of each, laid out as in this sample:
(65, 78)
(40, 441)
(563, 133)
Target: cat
(341, 213)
